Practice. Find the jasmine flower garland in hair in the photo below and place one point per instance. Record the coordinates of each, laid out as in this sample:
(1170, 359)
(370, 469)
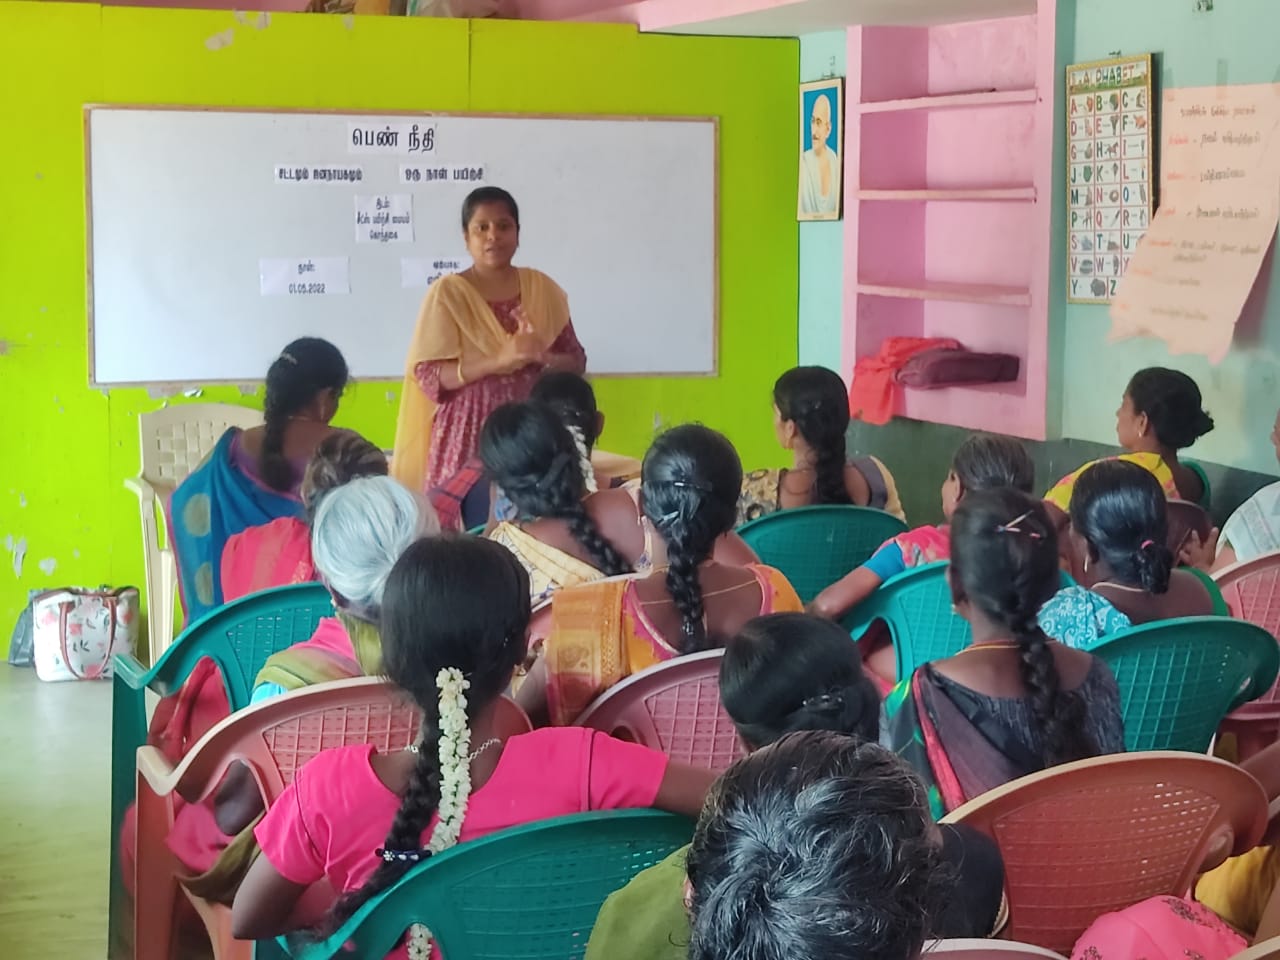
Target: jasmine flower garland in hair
(584, 458)
(455, 782)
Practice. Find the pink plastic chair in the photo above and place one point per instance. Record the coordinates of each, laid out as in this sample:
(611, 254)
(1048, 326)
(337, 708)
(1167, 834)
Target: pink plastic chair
(1252, 592)
(673, 707)
(1098, 835)
(274, 739)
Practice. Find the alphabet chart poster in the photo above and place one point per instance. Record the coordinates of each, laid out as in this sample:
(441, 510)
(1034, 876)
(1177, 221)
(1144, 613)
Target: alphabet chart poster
(1110, 198)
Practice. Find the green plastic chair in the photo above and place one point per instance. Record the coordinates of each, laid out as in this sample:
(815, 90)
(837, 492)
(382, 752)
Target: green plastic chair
(238, 637)
(816, 546)
(916, 607)
(1179, 678)
(528, 893)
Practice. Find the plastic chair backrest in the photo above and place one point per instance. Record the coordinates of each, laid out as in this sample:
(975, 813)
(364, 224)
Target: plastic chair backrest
(238, 636)
(1179, 678)
(1098, 835)
(173, 441)
(816, 546)
(528, 893)
(1252, 592)
(673, 707)
(986, 950)
(916, 607)
(275, 739)
(1268, 949)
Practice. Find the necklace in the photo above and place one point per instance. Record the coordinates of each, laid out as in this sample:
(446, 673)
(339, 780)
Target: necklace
(471, 758)
(1118, 586)
(989, 645)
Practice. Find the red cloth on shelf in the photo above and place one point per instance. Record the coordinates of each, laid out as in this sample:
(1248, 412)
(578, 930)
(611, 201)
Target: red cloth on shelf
(875, 390)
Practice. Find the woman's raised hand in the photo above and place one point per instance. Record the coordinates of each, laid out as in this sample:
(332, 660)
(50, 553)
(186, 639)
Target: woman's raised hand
(523, 347)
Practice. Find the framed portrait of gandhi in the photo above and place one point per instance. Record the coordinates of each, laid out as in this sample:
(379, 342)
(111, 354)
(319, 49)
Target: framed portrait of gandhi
(821, 138)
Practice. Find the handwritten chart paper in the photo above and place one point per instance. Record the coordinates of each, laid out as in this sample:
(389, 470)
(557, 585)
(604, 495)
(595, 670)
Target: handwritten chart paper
(1193, 271)
(1109, 182)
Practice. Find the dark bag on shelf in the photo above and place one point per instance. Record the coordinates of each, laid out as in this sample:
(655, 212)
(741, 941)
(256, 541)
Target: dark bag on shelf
(946, 367)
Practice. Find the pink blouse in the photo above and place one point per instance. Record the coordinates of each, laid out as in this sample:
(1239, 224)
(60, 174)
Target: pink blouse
(336, 812)
(455, 432)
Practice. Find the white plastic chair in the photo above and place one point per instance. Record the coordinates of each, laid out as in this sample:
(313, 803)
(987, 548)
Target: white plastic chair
(173, 442)
(986, 950)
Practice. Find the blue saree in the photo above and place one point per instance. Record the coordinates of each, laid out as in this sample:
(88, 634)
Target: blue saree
(218, 500)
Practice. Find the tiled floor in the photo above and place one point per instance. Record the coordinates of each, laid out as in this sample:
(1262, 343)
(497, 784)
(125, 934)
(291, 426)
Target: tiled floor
(55, 800)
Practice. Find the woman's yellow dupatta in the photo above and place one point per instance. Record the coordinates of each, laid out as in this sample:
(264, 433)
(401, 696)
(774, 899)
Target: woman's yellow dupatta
(455, 323)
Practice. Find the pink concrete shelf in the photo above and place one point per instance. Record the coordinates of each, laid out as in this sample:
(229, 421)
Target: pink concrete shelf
(765, 18)
(949, 149)
(979, 194)
(996, 296)
(952, 101)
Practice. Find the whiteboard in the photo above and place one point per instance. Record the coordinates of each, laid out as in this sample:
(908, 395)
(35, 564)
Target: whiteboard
(194, 214)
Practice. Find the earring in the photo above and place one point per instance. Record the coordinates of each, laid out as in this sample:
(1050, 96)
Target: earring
(1086, 564)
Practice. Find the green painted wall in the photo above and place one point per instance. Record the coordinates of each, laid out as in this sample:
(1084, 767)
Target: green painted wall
(1234, 43)
(68, 448)
(822, 243)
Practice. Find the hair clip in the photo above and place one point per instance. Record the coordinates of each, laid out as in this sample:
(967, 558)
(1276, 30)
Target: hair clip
(399, 856)
(690, 485)
(1145, 544)
(288, 357)
(826, 701)
(1012, 527)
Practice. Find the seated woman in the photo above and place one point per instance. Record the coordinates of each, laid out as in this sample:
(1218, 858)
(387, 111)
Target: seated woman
(983, 462)
(1119, 529)
(454, 620)
(1252, 530)
(810, 418)
(818, 847)
(278, 553)
(361, 530)
(574, 401)
(531, 456)
(252, 476)
(603, 632)
(783, 673)
(463, 500)
(1159, 415)
(1014, 701)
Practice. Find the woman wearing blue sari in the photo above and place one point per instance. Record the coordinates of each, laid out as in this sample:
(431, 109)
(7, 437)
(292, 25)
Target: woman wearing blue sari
(253, 476)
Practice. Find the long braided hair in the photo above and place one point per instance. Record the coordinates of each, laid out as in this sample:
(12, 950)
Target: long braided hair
(1004, 561)
(815, 400)
(530, 454)
(304, 368)
(690, 483)
(450, 602)
(574, 402)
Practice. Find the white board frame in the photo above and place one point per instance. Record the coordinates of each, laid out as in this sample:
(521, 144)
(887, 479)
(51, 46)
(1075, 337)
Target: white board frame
(170, 386)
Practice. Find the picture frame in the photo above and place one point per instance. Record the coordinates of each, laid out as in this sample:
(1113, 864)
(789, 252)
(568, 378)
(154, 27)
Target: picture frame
(820, 173)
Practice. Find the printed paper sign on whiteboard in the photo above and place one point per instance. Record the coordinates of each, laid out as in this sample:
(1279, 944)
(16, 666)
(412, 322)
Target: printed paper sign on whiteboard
(304, 276)
(311, 173)
(384, 218)
(401, 138)
(1193, 271)
(418, 273)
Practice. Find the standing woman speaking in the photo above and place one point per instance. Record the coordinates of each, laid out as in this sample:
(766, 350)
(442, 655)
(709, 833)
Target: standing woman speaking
(483, 337)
